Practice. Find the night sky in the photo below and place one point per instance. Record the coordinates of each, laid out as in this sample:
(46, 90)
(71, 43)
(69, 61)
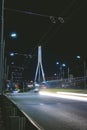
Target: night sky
(61, 41)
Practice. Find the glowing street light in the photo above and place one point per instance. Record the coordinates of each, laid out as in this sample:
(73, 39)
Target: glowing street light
(78, 57)
(13, 35)
(63, 65)
(12, 54)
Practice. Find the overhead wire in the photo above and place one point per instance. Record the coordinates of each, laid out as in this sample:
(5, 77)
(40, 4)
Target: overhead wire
(26, 12)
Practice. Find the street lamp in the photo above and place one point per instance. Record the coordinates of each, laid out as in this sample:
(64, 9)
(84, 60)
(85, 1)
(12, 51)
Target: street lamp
(84, 65)
(13, 35)
(2, 44)
(12, 54)
(61, 73)
(84, 70)
(63, 65)
(58, 75)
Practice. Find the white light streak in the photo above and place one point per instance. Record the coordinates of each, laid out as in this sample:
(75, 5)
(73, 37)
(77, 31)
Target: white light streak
(66, 95)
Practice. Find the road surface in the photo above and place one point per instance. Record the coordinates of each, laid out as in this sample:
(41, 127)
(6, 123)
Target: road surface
(53, 113)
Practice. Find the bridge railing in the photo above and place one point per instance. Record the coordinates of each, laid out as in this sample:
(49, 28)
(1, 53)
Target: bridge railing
(15, 118)
(77, 82)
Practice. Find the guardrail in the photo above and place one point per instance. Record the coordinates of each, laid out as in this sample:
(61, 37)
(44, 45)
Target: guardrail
(16, 119)
(77, 82)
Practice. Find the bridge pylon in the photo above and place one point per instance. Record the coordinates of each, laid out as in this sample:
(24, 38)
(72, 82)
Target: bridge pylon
(39, 75)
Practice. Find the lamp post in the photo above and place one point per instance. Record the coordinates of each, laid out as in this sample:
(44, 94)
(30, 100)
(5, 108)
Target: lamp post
(84, 70)
(68, 73)
(84, 74)
(57, 63)
(2, 50)
(61, 73)
(63, 65)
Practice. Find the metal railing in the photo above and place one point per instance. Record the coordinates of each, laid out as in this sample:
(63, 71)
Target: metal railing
(77, 82)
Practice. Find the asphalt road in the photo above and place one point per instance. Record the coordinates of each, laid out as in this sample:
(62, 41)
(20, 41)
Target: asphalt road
(53, 113)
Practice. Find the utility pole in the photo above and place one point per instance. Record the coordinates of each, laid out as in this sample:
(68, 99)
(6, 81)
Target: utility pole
(84, 74)
(68, 73)
(2, 50)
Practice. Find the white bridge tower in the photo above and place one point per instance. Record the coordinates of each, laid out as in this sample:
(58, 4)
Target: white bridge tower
(39, 75)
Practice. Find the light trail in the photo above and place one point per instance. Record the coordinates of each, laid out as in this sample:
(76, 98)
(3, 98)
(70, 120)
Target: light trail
(73, 96)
